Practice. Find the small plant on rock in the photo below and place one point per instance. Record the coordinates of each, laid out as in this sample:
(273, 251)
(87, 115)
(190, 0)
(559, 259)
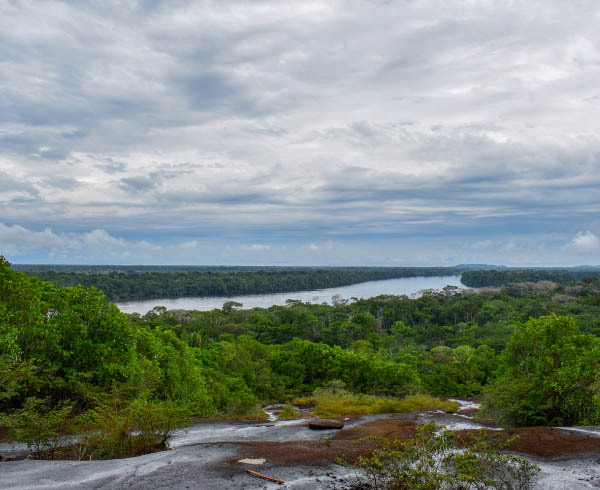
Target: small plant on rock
(436, 461)
(288, 412)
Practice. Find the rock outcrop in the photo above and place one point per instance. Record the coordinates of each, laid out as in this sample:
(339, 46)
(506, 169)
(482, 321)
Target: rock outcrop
(320, 424)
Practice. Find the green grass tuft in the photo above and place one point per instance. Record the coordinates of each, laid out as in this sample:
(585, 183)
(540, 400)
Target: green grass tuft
(288, 412)
(339, 404)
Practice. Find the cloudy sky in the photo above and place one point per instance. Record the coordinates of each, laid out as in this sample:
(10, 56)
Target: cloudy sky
(373, 132)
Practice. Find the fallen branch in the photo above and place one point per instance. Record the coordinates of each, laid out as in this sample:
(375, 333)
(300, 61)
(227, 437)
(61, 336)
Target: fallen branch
(265, 477)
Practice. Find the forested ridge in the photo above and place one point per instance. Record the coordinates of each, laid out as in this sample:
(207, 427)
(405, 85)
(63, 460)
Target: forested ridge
(69, 351)
(495, 278)
(126, 283)
(122, 283)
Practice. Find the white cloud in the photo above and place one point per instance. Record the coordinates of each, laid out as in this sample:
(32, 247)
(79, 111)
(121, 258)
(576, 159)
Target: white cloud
(328, 245)
(189, 244)
(255, 247)
(586, 241)
(97, 240)
(18, 241)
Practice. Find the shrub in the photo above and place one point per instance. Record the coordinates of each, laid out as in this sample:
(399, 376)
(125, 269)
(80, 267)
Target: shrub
(45, 430)
(123, 429)
(159, 419)
(434, 461)
(250, 411)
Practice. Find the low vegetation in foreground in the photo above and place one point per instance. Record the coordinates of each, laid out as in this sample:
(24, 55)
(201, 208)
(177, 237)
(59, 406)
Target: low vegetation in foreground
(437, 461)
(334, 401)
(78, 375)
(115, 429)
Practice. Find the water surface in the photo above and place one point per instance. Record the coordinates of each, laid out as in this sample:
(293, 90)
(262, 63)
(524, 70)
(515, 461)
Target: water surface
(411, 286)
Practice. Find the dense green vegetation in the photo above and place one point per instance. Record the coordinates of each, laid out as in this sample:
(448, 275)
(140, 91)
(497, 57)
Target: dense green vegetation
(68, 355)
(128, 282)
(122, 283)
(548, 374)
(486, 278)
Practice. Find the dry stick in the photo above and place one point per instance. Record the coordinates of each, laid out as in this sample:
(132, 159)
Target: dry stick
(265, 477)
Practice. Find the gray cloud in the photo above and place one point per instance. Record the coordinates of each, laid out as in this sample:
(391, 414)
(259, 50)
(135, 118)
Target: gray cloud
(111, 166)
(222, 123)
(10, 186)
(60, 183)
(138, 183)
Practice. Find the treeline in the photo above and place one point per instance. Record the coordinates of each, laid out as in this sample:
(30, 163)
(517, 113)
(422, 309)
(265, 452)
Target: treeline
(131, 285)
(496, 278)
(392, 324)
(69, 351)
(126, 283)
(141, 268)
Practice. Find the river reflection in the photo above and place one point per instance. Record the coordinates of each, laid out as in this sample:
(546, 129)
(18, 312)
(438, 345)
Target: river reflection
(411, 286)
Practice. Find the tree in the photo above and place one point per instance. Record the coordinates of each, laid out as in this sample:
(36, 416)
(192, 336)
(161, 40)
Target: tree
(547, 375)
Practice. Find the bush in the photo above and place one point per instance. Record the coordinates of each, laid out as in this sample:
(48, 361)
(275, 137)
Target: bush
(128, 429)
(160, 419)
(434, 461)
(45, 430)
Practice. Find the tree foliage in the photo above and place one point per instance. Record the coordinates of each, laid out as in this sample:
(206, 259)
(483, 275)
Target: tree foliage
(70, 347)
(486, 278)
(548, 374)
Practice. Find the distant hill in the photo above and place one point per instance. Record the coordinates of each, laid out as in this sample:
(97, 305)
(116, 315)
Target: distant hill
(480, 266)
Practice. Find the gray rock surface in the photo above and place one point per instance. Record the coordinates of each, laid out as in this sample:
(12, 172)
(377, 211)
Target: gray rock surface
(206, 457)
(321, 424)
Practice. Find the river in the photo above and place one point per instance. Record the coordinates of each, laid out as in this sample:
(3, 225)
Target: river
(410, 286)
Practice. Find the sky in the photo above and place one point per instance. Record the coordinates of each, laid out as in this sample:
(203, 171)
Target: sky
(358, 132)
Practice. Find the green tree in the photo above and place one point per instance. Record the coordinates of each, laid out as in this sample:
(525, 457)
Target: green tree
(548, 372)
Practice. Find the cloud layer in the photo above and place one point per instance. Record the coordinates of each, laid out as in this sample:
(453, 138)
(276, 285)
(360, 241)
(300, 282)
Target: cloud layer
(325, 132)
